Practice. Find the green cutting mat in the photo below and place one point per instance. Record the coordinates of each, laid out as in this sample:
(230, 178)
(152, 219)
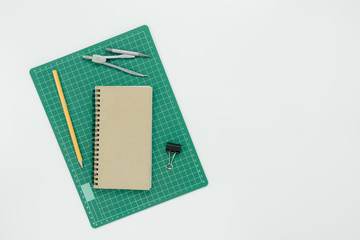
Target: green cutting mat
(78, 78)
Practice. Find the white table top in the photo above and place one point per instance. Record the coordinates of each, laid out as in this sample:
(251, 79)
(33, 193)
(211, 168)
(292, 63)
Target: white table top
(270, 92)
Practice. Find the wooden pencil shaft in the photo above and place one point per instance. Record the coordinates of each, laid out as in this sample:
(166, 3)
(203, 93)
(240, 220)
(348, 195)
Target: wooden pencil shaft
(67, 117)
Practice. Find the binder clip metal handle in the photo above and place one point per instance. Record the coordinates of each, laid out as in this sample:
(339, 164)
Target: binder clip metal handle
(170, 165)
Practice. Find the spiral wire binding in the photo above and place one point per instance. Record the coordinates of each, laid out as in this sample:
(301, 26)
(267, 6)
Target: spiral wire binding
(96, 134)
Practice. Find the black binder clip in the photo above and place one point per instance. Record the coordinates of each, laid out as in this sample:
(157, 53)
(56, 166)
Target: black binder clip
(172, 148)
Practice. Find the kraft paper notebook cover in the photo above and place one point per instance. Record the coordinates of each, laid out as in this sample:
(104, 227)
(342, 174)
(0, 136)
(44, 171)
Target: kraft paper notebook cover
(123, 125)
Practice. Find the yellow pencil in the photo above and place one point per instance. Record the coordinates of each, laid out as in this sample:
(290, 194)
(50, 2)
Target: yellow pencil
(67, 117)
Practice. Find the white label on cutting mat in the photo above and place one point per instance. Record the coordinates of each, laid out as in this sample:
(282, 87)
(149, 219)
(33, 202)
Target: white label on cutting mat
(88, 193)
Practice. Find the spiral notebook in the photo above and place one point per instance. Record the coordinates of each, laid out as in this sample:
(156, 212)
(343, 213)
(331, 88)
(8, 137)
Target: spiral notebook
(123, 122)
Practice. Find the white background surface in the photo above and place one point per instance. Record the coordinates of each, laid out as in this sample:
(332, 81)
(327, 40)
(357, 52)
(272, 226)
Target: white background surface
(270, 91)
